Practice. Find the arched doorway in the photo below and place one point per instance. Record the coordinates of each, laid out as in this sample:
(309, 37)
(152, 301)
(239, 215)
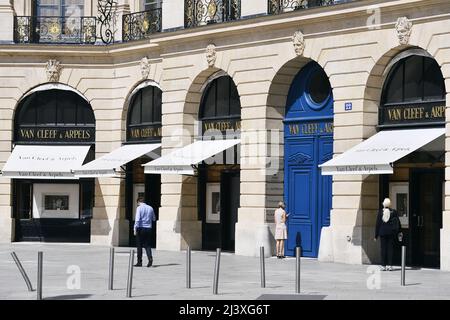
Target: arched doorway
(54, 133)
(219, 178)
(308, 142)
(413, 97)
(143, 127)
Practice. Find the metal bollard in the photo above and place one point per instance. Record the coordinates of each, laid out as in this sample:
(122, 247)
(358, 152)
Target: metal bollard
(39, 276)
(263, 267)
(216, 272)
(130, 274)
(403, 265)
(111, 269)
(188, 267)
(22, 271)
(298, 253)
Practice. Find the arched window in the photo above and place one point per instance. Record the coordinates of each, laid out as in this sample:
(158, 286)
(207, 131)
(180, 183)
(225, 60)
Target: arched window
(220, 107)
(221, 100)
(144, 115)
(51, 109)
(413, 93)
(318, 89)
(310, 94)
(415, 79)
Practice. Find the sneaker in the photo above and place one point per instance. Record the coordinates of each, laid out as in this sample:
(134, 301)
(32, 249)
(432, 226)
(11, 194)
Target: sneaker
(389, 268)
(383, 268)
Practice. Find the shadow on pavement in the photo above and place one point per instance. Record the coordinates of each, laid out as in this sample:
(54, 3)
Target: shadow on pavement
(69, 297)
(290, 297)
(406, 269)
(165, 265)
(143, 295)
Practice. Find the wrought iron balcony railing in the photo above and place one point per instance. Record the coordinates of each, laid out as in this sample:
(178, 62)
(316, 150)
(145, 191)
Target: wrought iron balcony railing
(203, 12)
(139, 25)
(68, 30)
(281, 6)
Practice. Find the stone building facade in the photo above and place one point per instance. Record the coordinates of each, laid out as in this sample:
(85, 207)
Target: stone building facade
(353, 42)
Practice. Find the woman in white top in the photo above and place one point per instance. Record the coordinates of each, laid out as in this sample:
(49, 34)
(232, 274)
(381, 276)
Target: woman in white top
(280, 229)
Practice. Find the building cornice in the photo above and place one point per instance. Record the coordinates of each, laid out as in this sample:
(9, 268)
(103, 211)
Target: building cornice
(296, 19)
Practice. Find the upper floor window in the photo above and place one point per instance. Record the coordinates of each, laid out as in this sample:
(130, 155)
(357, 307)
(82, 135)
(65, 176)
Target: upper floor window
(59, 8)
(281, 6)
(151, 4)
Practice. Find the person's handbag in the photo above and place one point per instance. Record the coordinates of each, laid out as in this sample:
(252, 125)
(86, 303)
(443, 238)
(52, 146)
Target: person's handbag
(397, 227)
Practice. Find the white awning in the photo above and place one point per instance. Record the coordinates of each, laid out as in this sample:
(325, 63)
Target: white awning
(106, 165)
(377, 154)
(44, 162)
(181, 161)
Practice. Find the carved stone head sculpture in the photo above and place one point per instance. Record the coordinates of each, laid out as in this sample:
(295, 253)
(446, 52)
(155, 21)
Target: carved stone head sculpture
(211, 55)
(299, 43)
(53, 70)
(145, 67)
(403, 27)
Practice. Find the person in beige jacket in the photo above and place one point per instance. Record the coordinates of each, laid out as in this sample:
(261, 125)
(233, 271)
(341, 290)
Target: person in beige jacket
(280, 229)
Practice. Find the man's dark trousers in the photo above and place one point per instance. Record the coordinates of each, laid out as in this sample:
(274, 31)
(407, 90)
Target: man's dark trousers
(387, 250)
(143, 236)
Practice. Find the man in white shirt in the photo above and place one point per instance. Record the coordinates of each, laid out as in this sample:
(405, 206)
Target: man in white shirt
(145, 215)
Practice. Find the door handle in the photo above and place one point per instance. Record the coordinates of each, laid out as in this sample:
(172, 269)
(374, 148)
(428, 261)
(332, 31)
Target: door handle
(420, 222)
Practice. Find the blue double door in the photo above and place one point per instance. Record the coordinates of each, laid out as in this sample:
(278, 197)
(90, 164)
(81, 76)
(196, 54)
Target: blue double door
(307, 192)
(308, 140)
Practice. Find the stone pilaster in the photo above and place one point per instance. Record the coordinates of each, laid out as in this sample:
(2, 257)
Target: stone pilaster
(172, 14)
(6, 220)
(108, 225)
(122, 8)
(261, 168)
(178, 225)
(349, 239)
(251, 8)
(6, 22)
